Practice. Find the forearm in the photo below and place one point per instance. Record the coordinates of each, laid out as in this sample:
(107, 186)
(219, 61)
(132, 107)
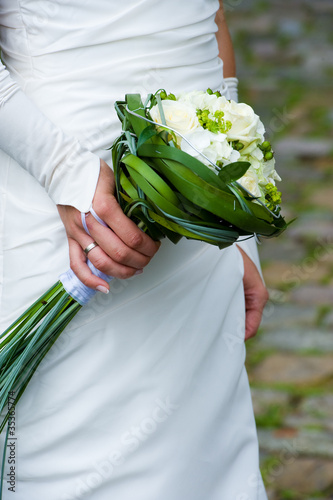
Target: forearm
(67, 171)
(226, 51)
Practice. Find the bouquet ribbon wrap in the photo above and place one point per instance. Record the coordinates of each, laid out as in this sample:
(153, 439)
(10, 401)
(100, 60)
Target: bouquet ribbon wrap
(76, 289)
(71, 283)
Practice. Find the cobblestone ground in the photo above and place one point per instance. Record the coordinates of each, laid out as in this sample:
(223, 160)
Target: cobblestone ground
(285, 65)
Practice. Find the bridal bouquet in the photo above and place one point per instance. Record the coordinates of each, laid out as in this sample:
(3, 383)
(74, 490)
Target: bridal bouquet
(195, 166)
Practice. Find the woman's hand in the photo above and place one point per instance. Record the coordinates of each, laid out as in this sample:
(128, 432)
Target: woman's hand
(123, 249)
(256, 296)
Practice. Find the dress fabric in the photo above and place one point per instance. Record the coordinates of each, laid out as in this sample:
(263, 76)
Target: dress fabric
(145, 395)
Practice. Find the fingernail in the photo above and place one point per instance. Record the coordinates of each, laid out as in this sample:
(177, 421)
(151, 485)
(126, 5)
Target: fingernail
(102, 289)
(139, 271)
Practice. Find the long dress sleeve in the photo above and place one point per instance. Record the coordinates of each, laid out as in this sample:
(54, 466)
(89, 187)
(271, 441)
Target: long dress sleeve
(68, 172)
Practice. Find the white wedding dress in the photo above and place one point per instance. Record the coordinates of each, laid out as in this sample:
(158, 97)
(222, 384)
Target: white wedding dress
(145, 395)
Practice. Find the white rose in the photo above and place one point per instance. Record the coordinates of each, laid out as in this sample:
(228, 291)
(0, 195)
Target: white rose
(180, 116)
(218, 104)
(246, 125)
(250, 182)
(198, 99)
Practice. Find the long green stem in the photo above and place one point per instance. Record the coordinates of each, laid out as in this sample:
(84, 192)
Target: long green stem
(44, 298)
(38, 355)
(24, 355)
(31, 316)
(23, 337)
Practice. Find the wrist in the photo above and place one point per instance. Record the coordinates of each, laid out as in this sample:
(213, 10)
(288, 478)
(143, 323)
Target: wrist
(232, 85)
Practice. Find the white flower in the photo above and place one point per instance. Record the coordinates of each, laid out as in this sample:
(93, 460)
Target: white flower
(223, 151)
(265, 170)
(246, 125)
(234, 156)
(199, 99)
(214, 147)
(218, 104)
(250, 182)
(179, 115)
(256, 164)
(200, 139)
(269, 172)
(257, 154)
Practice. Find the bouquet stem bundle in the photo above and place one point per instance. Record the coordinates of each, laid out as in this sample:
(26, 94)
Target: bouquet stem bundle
(25, 343)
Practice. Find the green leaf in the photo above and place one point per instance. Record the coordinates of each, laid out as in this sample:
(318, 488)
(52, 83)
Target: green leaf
(146, 134)
(212, 199)
(154, 196)
(134, 103)
(233, 171)
(127, 186)
(166, 152)
(152, 178)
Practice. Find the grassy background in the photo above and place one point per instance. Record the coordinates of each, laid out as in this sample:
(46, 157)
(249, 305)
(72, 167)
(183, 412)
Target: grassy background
(285, 67)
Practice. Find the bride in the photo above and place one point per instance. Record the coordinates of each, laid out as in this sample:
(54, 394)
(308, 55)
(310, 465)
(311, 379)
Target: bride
(145, 395)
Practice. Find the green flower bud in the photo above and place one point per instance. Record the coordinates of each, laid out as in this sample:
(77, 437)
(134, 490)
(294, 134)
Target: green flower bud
(172, 97)
(163, 95)
(268, 155)
(214, 124)
(266, 145)
(217, 93)
(239, 146)
(273, 197)
(209, 91)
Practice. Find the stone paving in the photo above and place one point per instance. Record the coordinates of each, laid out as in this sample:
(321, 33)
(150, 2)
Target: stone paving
(285, 66)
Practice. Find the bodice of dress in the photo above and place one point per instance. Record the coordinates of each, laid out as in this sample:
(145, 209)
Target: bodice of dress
(90, 53)
(74, 59)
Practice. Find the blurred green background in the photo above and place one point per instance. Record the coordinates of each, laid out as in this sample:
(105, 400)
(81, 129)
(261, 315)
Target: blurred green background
(285, 67)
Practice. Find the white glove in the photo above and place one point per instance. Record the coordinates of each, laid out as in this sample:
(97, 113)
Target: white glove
(68, 172)
(232, 84)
